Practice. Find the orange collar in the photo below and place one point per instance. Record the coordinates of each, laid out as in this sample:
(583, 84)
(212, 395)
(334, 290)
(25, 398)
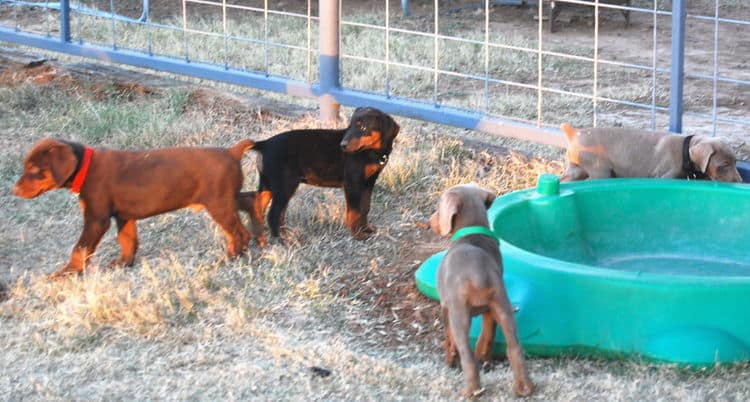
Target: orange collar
(80, 177)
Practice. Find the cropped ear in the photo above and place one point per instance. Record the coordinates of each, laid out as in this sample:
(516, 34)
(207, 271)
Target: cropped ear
(359, 111)
(450, 204)
(488, 197)
(701, 154)
(390, 126)
(62, 162)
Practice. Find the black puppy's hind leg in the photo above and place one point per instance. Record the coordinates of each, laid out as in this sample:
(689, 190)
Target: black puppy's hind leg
(282, 193)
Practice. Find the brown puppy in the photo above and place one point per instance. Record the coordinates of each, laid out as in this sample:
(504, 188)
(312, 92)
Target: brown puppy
(131, 185)
(470, 282)
(597, 153)
(351, 158)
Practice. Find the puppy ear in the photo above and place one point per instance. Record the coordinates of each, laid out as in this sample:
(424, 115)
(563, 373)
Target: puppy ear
(390, 126)
(450, 204)
(701, 154)
(488, 197)
(62, 162)
(570, 132)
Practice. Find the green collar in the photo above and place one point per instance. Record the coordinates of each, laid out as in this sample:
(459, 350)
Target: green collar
(473, 230)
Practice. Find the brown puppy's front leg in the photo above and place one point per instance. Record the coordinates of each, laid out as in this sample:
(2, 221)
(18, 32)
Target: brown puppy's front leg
(93, 230)
(127, 236)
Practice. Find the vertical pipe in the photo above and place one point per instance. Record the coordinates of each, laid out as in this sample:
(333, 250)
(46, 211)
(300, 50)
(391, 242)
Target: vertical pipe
(405, 7)
(596, 61)
(309, 41)
(487, 56)
(112, 17)
(226, 33)
(714, 111)
(436, 50)
(265, 37)
(329, 59)
(65, 20)
(677, 74)
(387, 49)
(184, 29)
(653, 69)
(540, 37)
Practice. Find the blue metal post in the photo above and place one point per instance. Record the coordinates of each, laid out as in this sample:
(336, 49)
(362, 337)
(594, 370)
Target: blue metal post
(65, 20)
(330, 77)
(677, 74)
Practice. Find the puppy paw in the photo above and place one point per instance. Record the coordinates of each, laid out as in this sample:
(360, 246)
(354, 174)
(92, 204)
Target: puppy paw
(66, 272)
(472, 393)
(363, 232)
(121, 262)
(523, 387)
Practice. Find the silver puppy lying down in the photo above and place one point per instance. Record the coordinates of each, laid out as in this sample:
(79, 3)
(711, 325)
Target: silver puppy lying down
(597, 153)
(470, 282)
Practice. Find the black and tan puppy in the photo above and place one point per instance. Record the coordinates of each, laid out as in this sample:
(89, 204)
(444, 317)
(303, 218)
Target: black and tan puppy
(351, 158)
(470, 282)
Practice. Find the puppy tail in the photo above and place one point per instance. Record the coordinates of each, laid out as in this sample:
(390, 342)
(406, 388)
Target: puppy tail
(239, 149)
(570, 132)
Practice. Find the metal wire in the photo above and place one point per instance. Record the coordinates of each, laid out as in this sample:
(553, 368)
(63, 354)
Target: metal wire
(653, 70)
(440, 41)
(436, 53)
(716, 66)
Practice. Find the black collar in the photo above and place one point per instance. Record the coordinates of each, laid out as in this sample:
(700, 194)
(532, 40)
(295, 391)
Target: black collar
(380, 157)
(687, 165)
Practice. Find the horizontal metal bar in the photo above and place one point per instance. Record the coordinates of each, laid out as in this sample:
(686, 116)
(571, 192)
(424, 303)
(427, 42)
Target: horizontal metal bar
(178, 66)
(84, 10)
(718, 78)
(248, 8)
(742, 122)
(450, 116)
(517, 48)
(725, 20)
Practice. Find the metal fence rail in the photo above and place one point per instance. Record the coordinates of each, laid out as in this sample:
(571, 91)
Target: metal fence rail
(428, 66)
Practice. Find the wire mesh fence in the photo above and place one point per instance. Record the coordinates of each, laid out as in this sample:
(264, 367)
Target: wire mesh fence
(511, 70)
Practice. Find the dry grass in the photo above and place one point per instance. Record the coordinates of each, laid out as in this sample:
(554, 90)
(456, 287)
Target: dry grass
(185, 323)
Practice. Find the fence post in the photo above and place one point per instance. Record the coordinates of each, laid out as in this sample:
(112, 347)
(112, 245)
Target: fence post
(677, 73)
(330, 77)
(65, 20)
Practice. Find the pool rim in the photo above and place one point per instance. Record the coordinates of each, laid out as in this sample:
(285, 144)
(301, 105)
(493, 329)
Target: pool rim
(603, 185)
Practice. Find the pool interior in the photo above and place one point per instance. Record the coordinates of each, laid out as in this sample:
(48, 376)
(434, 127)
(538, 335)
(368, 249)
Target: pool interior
(676, 231)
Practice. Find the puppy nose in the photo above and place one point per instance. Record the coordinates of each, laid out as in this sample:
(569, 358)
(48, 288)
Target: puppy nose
(16, 190)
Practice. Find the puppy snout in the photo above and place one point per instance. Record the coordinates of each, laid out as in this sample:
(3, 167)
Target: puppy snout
(16, 190)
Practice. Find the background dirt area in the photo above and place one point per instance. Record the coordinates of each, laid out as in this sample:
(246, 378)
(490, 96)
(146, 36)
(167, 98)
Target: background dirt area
(187, 323)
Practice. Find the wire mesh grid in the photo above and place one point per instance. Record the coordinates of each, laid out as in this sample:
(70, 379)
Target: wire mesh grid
(607, 63)
(599, 72)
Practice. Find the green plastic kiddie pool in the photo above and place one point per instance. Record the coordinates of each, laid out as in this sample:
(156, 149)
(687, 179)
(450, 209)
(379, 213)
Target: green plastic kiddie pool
(639, 268)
